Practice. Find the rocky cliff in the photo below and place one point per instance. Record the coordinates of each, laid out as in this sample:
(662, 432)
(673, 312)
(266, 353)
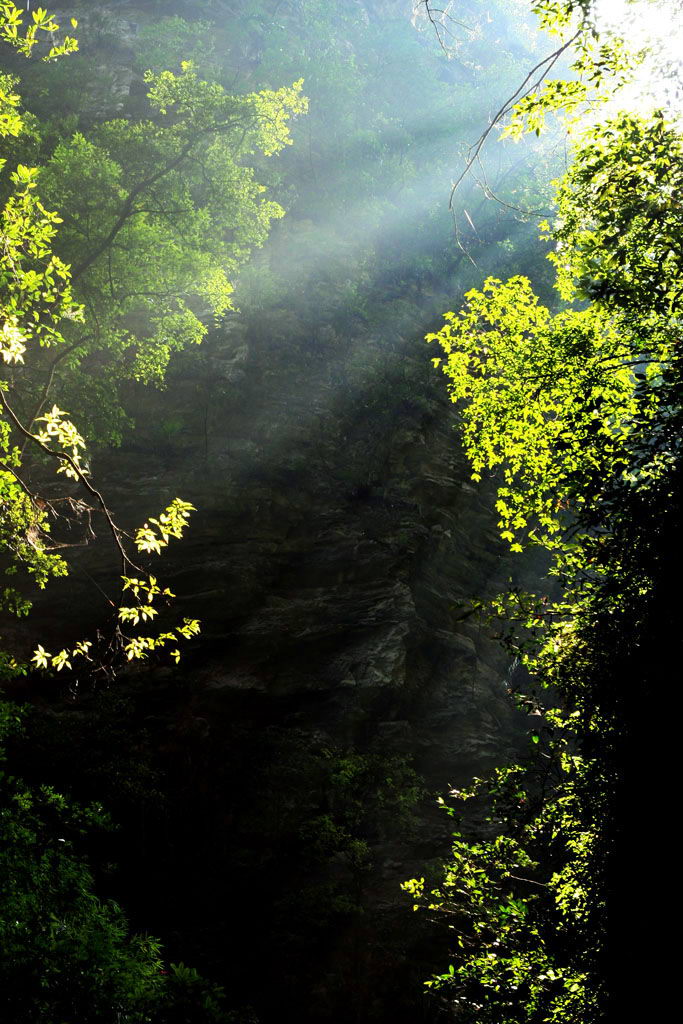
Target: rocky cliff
(337, 545)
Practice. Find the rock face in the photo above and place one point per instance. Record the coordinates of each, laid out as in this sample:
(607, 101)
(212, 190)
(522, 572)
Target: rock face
(337, 545)
(338, 541)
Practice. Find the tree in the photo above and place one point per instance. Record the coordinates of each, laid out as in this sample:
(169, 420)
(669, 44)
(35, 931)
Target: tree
(32, 304)
(579, 412)
(159, 213)
(36, 300)
(154, 214)
(65, 954)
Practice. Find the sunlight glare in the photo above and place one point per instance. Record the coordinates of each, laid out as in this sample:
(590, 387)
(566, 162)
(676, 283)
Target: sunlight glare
(658, 26)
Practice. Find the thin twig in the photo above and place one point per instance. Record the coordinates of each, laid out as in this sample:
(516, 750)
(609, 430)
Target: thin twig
(475, 149)
(529, 881)
(46, 390)
(82, 478)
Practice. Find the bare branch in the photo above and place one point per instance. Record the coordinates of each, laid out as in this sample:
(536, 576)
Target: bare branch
(441, 24)
(523, 90)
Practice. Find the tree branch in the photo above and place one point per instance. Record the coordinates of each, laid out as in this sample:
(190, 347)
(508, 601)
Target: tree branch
(127, 210)
(475, 149)
(82, 478)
